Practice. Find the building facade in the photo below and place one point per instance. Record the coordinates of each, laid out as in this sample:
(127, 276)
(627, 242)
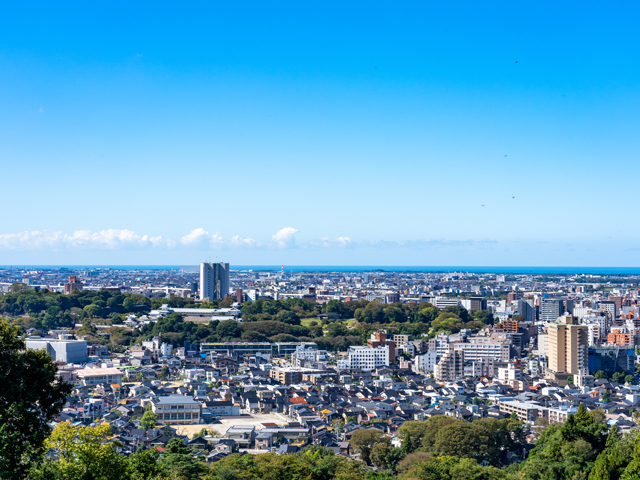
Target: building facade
(214, 280)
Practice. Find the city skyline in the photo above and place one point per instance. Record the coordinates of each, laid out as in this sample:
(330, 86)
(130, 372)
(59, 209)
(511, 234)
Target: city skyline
(353, 134)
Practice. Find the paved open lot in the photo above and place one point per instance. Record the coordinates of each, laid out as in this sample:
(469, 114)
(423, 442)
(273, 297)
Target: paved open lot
(256, 419)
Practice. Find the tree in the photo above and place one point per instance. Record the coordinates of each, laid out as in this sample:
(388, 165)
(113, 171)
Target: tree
(363, 440)
(31, 395)
(629, 379)
(253, 336)
(379, 453)
(143, 465)
(417, 457)
(337, 329)
(93, 310)
(601, 374)
(618, 377)
(611, 463)
(228, 329)
(178, 459)
(19, 288)
(148, 420)
(82, 453)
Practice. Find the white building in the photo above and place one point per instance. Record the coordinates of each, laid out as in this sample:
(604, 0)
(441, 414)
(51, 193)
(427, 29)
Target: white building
(425, 363)
(94, 376)
(214, 280)
(450, 366)
(509, 374)
(476, 351)
(368, 358)
(62, 349)
(303, 355)
(166, 349)
(543, 344)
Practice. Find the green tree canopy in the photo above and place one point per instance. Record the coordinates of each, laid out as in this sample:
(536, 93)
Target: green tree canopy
(31, 395)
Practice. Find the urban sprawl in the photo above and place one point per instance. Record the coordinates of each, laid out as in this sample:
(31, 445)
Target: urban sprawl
(396, 373)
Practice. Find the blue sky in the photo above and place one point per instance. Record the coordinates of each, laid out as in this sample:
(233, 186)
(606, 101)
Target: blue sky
(359, 133)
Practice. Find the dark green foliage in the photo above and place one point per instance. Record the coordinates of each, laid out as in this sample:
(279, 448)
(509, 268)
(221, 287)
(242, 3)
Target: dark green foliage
(486, 439)
(29, 398)
(178, 459)
(563, 451)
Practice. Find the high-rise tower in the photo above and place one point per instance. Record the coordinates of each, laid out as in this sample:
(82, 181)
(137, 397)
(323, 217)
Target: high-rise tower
(214, 280)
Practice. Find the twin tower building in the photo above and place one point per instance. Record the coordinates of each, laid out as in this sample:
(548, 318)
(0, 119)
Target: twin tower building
(214, 280)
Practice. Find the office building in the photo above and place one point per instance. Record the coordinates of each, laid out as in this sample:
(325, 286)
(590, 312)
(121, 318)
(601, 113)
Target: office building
(94, 376)
(476, 351)
(289, 348)
(527, 308)
(233, 349)
(369, 358)
(568, 348)
(62, 349)
(214, 280)
(612, 359)
(553, 308)
(176, 409)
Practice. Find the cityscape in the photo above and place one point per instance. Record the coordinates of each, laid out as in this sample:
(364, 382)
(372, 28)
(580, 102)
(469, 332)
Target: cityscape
(230, 361)
(319, 240)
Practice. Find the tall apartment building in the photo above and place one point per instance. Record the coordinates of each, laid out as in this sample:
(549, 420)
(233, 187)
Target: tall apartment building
(424, 363)
(450, 366)
(72, 284)
(214, 280)
(568, 348)
(553, 308)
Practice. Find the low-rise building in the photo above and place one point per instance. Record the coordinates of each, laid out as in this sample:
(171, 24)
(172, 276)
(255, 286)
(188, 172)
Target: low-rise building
(176, 409)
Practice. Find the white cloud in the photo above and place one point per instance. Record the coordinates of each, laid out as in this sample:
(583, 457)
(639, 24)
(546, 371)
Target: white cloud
(82, 239)
(337, 242)
(238, 241)
(196, 237)
(216, 240)
(284, 238)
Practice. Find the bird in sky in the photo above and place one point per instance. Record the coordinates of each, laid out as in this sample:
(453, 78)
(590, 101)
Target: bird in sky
(506, 155)
(483, 205)
(513, 197)
(516, 61)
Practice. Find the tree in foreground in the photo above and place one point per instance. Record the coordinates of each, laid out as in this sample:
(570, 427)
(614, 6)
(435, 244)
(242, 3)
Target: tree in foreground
(81, 453)
(31, 395)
